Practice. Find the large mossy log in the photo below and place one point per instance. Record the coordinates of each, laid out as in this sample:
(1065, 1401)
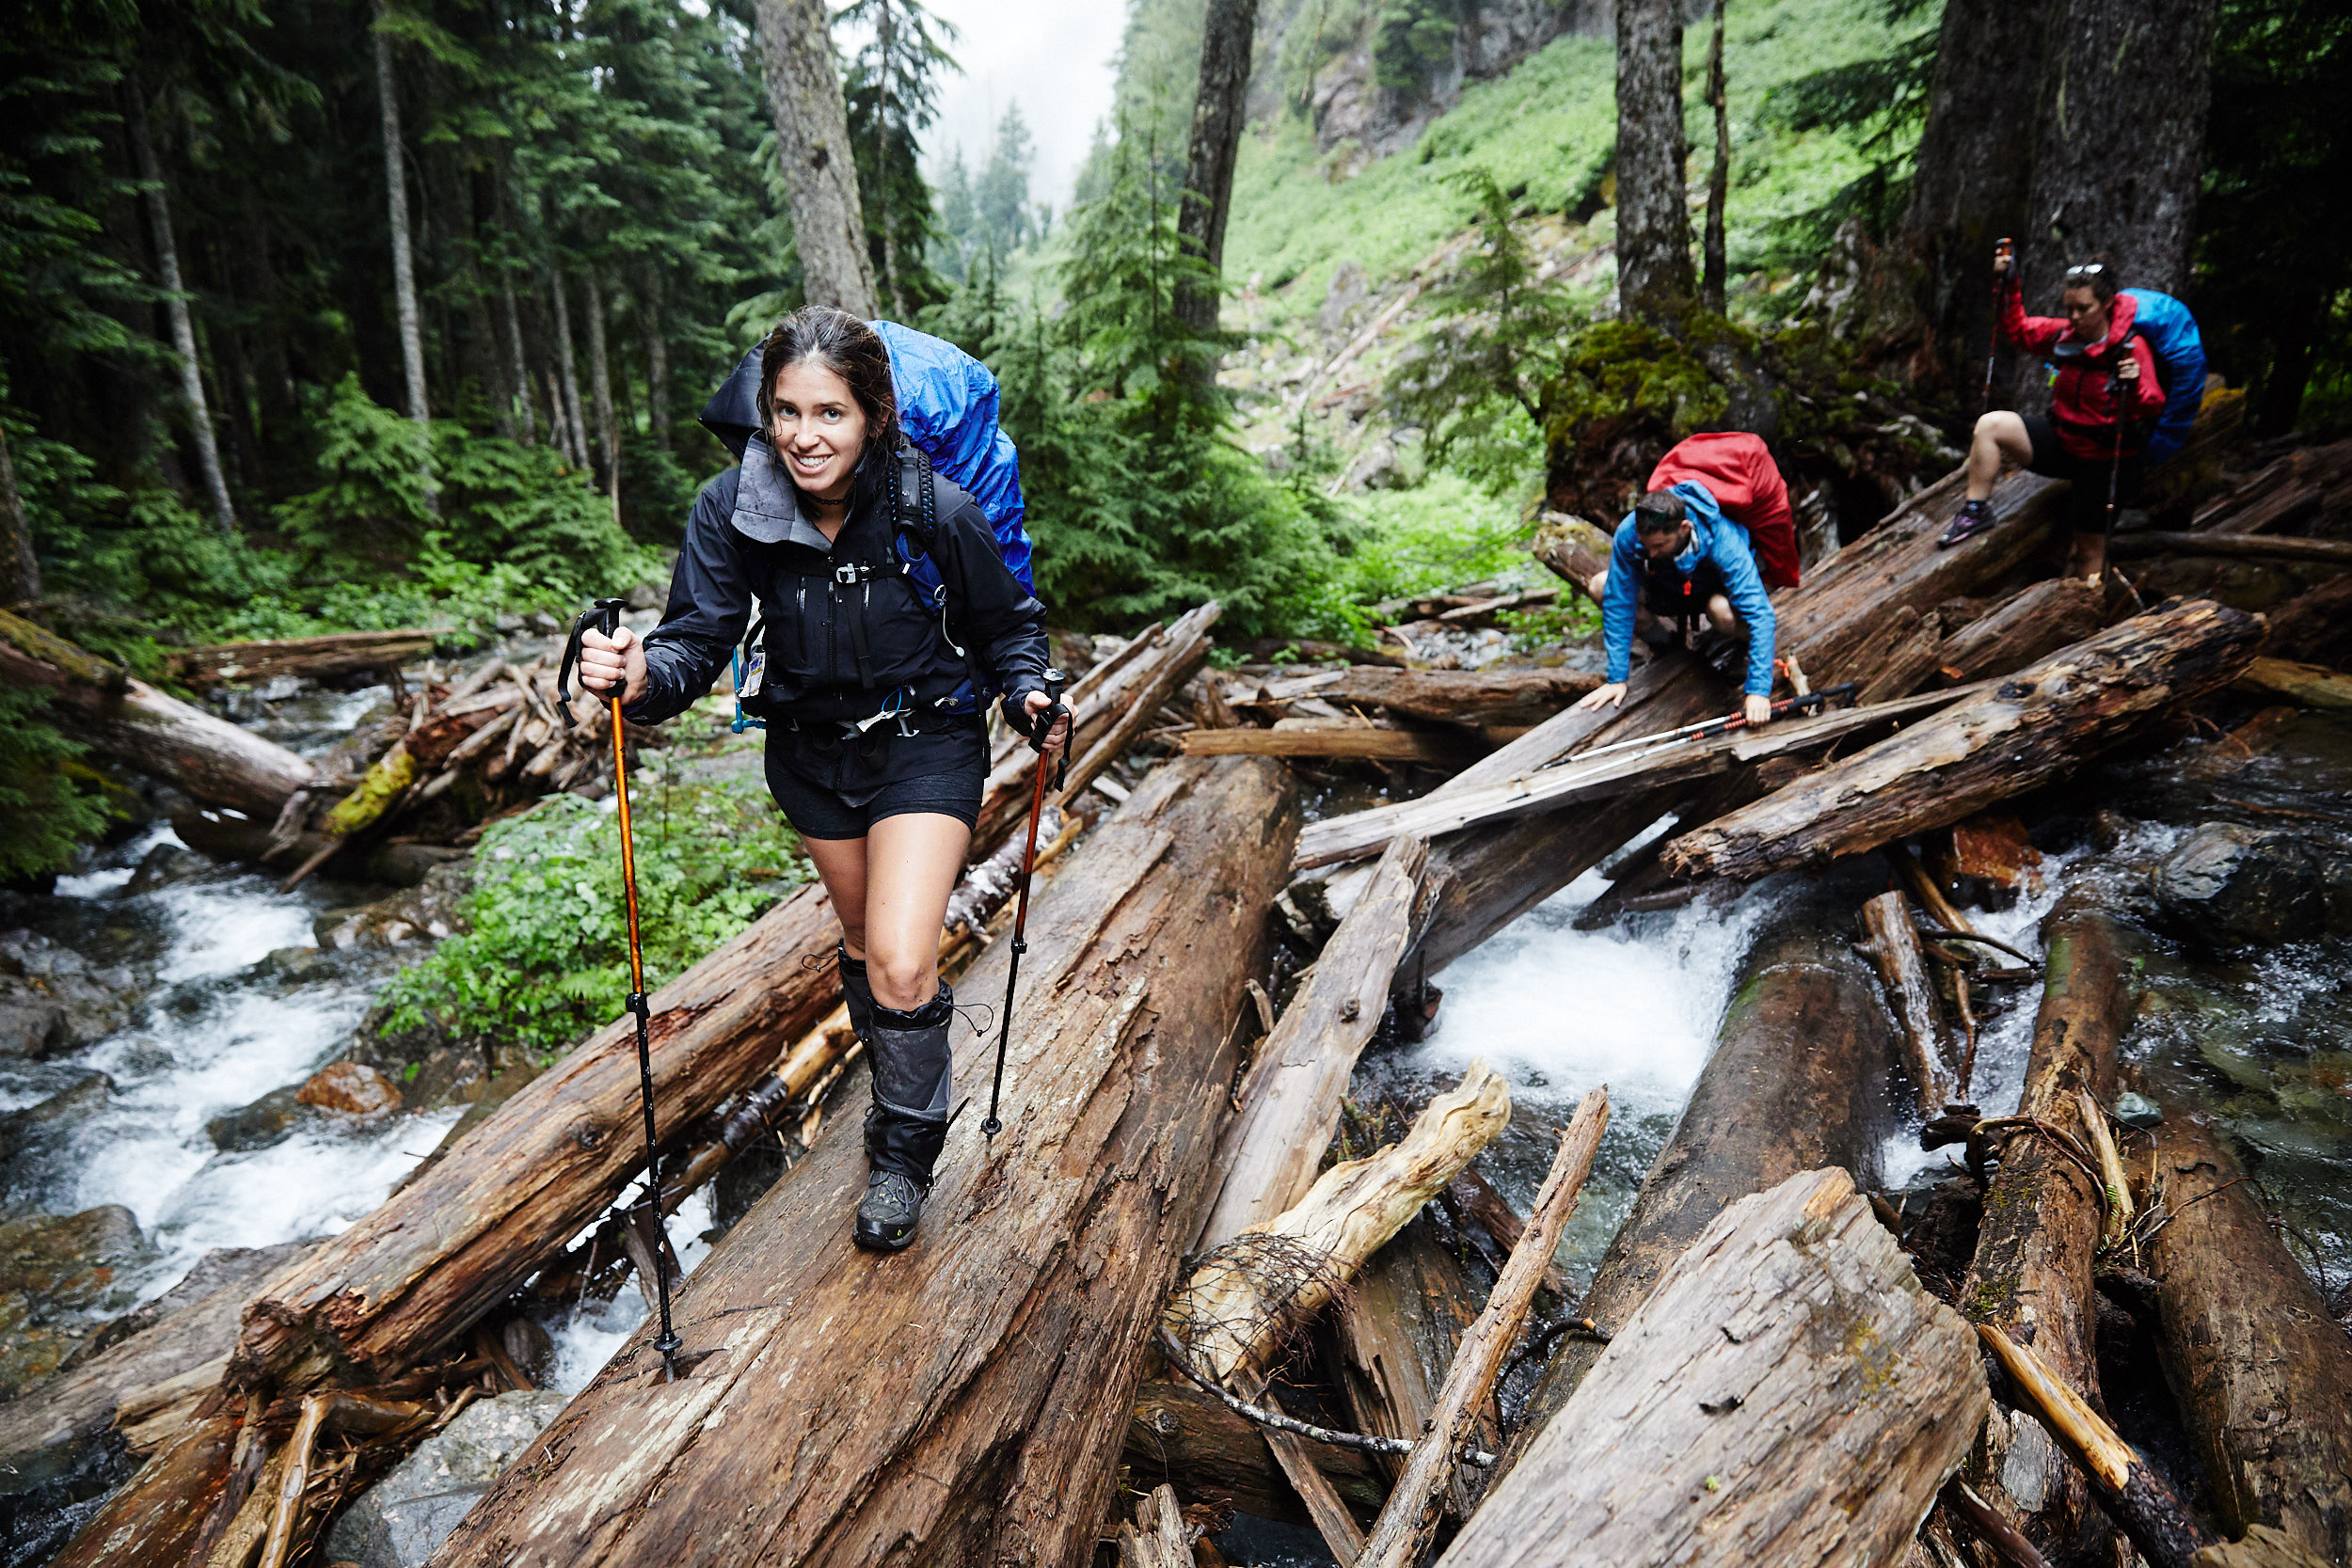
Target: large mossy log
(2031, 1275)
(1789, 1394)
(2033, 726)
(1797, 1082)
(462, 1235)
(2261, 1371)
(131, 724)
(961, 1401)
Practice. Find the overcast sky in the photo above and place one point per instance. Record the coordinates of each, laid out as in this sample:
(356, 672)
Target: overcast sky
(1057, 56)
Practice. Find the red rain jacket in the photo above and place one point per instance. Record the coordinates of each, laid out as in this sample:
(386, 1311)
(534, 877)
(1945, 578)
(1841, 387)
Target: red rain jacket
(1739, 471)
(2084, 400)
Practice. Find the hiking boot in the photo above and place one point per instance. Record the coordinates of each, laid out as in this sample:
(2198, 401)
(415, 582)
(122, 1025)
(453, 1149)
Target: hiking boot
(1972, 518)
(887, 1218)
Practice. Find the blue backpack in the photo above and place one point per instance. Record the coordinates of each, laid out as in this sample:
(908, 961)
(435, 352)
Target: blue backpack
(2172, 338)
(947, 404)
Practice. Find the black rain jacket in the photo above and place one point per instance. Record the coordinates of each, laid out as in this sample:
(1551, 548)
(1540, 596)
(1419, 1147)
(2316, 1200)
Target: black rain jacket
(863, 681)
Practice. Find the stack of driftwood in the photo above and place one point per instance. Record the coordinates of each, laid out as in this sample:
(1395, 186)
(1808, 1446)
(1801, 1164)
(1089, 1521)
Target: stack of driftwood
(1146, 1302)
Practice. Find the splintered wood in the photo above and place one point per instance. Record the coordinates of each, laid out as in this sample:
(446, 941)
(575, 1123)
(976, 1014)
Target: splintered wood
(1789, 1394)
(961, 1401)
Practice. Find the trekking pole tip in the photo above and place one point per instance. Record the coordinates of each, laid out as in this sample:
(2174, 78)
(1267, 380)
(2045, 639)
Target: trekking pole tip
(989, 1128)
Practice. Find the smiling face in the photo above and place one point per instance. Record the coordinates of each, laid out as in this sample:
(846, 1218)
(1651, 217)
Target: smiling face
(817, 428)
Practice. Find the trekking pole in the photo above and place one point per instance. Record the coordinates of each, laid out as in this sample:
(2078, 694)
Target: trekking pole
(1045, 722)
(606, 618)
(2004, 248)
(1812, 702)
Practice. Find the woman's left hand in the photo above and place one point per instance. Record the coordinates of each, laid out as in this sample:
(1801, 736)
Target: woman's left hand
(1037, 702)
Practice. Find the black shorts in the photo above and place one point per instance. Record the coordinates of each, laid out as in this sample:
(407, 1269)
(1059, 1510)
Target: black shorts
(2087, 506)
(816, 812)
(1662, 595)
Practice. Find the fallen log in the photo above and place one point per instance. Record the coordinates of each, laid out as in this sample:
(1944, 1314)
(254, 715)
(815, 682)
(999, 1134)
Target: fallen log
(1363, 833)
(2028, 729)
(1159, 1537)
(2031, 1275)
(1395, 1332)
(2262, 1372)
(1816, 1430)
(1306, 650)
(1251, 1294)
(1298, 1080)
(131, 724)
(159, 1517)
(1186, 1439)
(1408, 1522)
(1351, 740)
(2131, 1493)
(1460, 696)
(309, 657)
(2033, 622)
(1575, 551)
(1908, 663)
(1795, 1083)
(2312, 685)
(968, 1392)
(1891, 943)
(2245, 547)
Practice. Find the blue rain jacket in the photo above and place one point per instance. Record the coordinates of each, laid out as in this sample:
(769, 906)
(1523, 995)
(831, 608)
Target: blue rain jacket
(1714, 538)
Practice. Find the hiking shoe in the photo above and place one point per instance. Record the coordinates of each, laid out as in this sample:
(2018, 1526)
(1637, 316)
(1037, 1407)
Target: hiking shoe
(1973, 518)
(886, 1220)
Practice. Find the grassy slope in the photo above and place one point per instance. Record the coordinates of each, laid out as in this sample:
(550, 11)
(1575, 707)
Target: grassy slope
(1545, 132)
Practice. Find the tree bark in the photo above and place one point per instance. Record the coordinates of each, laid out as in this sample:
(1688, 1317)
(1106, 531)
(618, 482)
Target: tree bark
(131, 722)
(20, 567)
(1894, 949)
(657, 356)
(1186, 1439)
(155, 1520)
(2263, 1372)
(2032, 727)
(2031, 1274)
(1796, 1083)
(1396, 1333)
(608, 462)
(1335, 739)
(2312, 685)
(2243, 547)
(813, 149)
(1817, 1431)
(576, 429)
(1408, 1522)
(2031, 623)
(1653, 219)
(396, 206)
(2126, 85)
(971, 1390)
(1438, 696)
(526, 422)
(176, 308)
(337, 654)
(1712, 280)
(1299, 1077)
(1218, 111)
(1968, 186)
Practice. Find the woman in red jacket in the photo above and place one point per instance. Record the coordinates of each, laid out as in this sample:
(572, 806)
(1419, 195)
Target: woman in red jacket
(2104, 402)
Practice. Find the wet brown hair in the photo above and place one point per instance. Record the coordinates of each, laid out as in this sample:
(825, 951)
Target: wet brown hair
(2097, 275)
(1661, 512)
(849, 348)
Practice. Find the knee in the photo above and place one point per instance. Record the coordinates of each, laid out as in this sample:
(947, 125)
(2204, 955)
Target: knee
(1726, 619)
(903, 981)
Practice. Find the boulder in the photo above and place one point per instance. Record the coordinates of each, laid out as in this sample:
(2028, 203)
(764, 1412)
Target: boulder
(43, 1128)
(2229, 885)
(165, 865)
(40, 974)
(32, 1026)
(353, 1089)
(259, 1125)
(399, 1521)
(295, 965)
(60, 1276)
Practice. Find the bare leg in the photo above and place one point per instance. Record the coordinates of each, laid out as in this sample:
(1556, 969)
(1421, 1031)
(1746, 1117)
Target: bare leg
(2088, 560)
(1726, 619)
(2000, 438)
(841, 866)
(911, 867)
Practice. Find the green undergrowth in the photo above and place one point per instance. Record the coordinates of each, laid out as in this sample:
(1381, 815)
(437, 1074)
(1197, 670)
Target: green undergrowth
(1548, 132)
(543, 957)
(50, 800)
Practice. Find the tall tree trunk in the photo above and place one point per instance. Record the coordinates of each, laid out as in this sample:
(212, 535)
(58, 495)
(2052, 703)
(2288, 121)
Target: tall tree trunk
(1216, 121)
(176, 305)
(526, 423)
(1719, 182)
(396, 204)
(813, 149)
(20, 568)
(1968, 185)
(2125, 88)
(600, 385)
(576, 429)
(657, 356)
(1653, 224)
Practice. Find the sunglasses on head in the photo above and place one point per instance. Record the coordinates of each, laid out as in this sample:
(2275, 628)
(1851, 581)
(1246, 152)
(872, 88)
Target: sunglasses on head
(2089, 269)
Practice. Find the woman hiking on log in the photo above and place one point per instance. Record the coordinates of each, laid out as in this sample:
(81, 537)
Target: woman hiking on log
(2105, 400)
(872, 690)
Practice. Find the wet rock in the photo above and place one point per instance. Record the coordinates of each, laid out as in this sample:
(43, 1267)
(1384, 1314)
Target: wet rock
(2227, 884)
(43, 1127)
(424, 913)
(297, 965)
(399, 1521)
(410, 865)
(266, 1121)
(59, 1278)
(32, 1027)
(353, 1089)
(450, 1075)
(38, 973)
(165, 865)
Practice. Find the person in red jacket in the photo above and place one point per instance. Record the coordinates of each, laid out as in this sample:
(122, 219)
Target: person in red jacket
(2105, 401)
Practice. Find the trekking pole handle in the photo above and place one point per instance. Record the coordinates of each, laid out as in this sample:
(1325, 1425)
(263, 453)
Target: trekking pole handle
(604, 618)
(1056, 711)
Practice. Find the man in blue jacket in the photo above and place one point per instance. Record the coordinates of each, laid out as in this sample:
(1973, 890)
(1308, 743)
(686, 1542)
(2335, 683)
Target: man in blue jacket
(1675, 558)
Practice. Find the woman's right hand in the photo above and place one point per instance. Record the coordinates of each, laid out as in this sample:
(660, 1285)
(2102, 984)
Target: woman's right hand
(606, 662)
